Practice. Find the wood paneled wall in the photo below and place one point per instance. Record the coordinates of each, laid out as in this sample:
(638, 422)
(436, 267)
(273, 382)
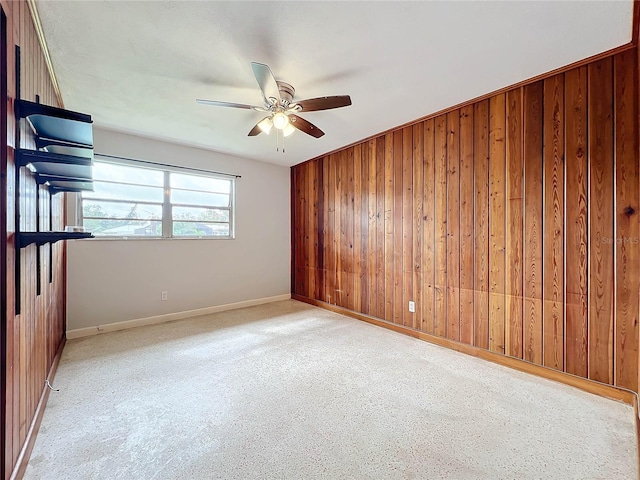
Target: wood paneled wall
(512, 223)
(34, 336)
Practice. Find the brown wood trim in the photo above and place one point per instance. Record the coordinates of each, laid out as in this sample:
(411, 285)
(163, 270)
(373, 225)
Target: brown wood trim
(27, 448)
(579, 63)
(591, 386)
(636, 22)
(33, 10)
(293, 246)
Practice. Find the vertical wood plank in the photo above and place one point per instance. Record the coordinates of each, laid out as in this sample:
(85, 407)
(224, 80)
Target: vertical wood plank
(362, 164)
(428, 206)
(576, 222)
(496, 223)
(627, 257)
(467, 196)
(553, 219)
(481, 225)
(349, 205)
(601, 221)
(513, 253)
(327, 231)
(397, 227)
(388, 227)
(380, 226)
(372, 239)
(357, 227)
(407, 226)
(533, 130)
(440, 221)
(340, 228)
(312, 232)
(418, 222)
(453, 225)
(330, 276)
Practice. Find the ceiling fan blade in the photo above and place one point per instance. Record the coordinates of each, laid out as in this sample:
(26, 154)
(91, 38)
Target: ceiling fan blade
(266, 81)
(325, 103)
(304, 126)
(227, 104)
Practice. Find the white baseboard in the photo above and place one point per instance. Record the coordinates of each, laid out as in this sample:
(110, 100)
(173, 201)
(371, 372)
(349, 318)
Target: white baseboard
(139, 322)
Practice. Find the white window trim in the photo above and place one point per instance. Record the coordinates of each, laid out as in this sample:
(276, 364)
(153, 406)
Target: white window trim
(167, 221)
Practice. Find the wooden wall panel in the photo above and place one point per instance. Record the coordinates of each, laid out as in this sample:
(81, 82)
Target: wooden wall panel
(576, 222)
(466, 225)
(33, 336)
(512, 223)
(627, 256)
(428, 208)
(600, 99)
(533, 130)
(481, 225)
(407, 225)
(553, 219)
(417, 136)
(497, 172)
(440, 224)
(453, 225)
(514, 241)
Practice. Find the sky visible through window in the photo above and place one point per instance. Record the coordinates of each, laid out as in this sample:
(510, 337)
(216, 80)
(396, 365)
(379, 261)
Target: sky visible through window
(131, 201)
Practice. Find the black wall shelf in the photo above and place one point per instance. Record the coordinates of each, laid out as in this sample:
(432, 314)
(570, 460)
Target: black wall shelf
(62, 161)
(41, 238)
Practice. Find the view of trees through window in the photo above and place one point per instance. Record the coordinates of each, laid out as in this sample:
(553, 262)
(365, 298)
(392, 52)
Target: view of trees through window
(133, 201)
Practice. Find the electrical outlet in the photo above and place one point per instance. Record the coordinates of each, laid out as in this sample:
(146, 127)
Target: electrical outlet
(164, 295)
(412, 307)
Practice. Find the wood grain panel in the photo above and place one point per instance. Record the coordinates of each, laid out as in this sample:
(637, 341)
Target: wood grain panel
(497, 116)
(428, 205)
(453, 225)
(532, 144)
(349, 196)
(330, 242)
(407, 226)
(514, 226)
(510, 222)
(601, 307)
(398, 276)
(467, 195)
(362, 225)
(418, 222)
(381, 265)
(576, 222)
(440, 222)
(627, 257)
(372, 245)
(356, 209)
(553, 247)
(481, 208)
(388, 227)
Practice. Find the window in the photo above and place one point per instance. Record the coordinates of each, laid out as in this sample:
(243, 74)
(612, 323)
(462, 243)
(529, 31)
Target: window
(137, 201)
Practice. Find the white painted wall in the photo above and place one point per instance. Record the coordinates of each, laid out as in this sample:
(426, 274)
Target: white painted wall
(117, 280)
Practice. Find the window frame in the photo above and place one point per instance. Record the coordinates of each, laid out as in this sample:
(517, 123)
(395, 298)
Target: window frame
(167, 220)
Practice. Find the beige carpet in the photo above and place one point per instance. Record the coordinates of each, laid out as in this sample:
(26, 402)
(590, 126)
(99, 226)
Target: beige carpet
(288, 391)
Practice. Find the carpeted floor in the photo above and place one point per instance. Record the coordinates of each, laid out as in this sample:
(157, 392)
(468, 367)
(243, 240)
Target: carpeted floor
(288, 391)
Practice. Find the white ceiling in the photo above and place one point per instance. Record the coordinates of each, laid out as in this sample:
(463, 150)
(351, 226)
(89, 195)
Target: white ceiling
(139, 66)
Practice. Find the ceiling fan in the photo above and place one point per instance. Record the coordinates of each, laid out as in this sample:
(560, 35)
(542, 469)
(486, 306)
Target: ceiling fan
(279, 105)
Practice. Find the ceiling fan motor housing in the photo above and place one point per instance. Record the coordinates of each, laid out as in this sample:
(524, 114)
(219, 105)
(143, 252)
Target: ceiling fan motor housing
(286, 92)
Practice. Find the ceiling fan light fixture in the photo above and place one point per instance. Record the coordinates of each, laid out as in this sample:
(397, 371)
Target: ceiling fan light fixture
(265, 125)
(280, 120)
(288, 130)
